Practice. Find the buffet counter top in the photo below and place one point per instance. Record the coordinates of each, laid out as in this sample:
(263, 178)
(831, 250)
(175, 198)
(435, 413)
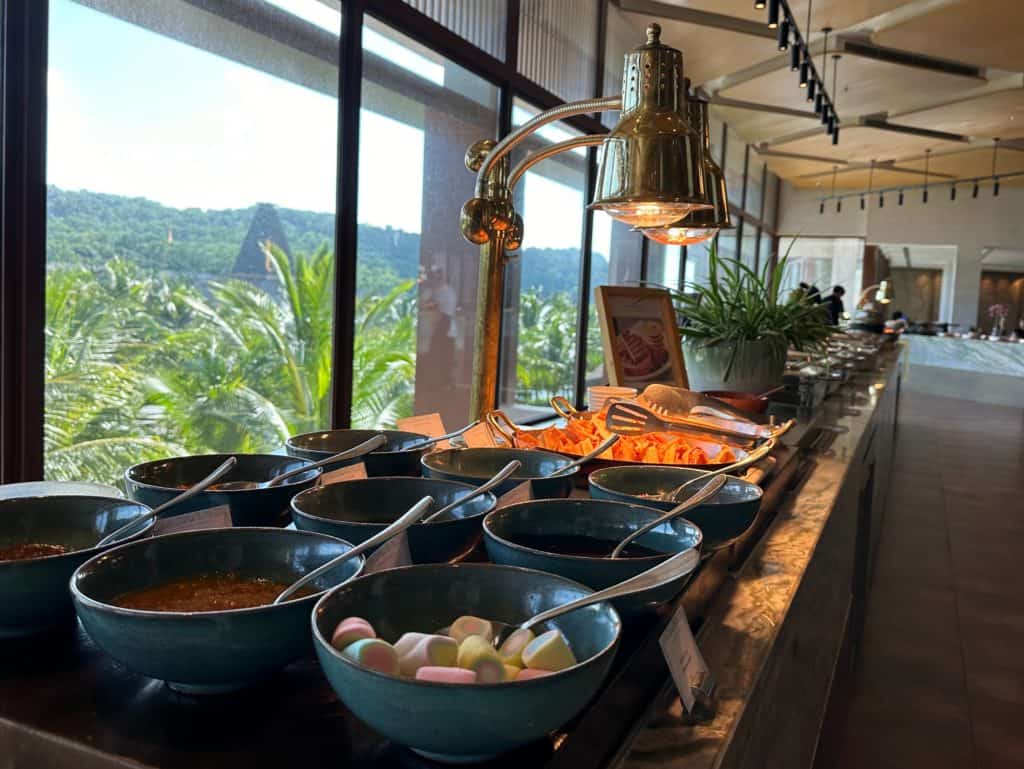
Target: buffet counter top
(774, 633)
(982, 355)
(771, 614)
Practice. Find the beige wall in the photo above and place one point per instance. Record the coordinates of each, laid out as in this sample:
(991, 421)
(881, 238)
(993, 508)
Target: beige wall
(970, 224)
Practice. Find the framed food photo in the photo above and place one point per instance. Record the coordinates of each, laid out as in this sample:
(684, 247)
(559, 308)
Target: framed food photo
(639, 335)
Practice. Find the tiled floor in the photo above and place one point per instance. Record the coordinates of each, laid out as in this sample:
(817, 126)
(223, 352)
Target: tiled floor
(940, 676)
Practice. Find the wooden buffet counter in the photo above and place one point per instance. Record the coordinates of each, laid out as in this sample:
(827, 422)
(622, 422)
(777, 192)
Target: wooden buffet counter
(777, 616)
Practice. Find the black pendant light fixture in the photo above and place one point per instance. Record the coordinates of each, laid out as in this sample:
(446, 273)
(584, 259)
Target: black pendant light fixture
(871, 179)
(924, 194)
(820, 106)
(773, 13)
(952, 192)
(839, 203)
(783, 38)
(833, 126)
(995, 184)
(974, 192)
(759, 5)
(796, 52)
(899, 200)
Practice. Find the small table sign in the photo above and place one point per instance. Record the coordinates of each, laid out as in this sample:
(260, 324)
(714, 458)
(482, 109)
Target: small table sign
(391, 555)
(218, 517)
(479, 437)
(351, 472)
(425, 424)
(685, 662)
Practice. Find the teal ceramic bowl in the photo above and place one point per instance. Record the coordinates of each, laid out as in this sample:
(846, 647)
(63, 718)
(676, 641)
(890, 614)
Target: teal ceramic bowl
(34, 594)
(531, 534)
(474, 466)
(356, 510)
(463, 723)
(723, 520)
(206, 652)
(390, 459)
(157, 482)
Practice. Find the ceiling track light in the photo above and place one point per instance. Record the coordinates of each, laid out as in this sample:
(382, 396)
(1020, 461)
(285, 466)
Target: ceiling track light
(812, 87)
(824, 113)
(862, 204)
(794, 57)
(924, 193)
(783, 38)
(835, 135)
(974, 192)
(881, 200)
(871, 181)
(995, 186)
(952, 192)
(818, 103)
(839, 205)
(773, 14)
(833, 127)
(821, 207)
(759, 5)
(899, 201)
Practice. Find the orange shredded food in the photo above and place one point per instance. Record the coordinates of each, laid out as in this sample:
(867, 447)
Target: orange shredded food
(585, 433)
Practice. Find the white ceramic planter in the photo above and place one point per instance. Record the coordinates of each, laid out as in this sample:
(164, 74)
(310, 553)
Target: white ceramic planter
(758, 366)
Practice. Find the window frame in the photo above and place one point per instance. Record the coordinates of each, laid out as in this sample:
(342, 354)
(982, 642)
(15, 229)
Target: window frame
(23, 53)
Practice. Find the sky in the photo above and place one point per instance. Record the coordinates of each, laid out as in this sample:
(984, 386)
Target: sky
(134, 113)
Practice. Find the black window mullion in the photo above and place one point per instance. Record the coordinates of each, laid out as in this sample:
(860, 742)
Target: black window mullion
(23, 238)
(346, 234)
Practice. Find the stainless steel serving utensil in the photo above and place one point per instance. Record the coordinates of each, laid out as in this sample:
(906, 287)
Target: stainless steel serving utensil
(603, 447)
(669, 570)
(209, 480)
(631, 418)
(356, 451)
(410, 517)
(709, 490)
(439, 438)
(483, 488)
(754, 456)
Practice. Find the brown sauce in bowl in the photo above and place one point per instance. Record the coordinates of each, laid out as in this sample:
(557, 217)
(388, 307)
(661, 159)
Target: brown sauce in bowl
(31, 550)
(208, 592)
(578, 544)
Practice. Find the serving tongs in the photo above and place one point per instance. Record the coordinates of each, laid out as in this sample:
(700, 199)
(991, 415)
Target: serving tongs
(715, 416)
(633, 418)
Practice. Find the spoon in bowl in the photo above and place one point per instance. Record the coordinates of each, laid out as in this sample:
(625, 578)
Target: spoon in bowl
(603, 447)
(209, 480)
(498, 478)
(754, 456)
(431, 441)
(356, 451)
(667, 571)
(709, 490)
(408, 518)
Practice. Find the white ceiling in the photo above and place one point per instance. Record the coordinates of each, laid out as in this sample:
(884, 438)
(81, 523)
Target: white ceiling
(955, 67)
(1008, 259)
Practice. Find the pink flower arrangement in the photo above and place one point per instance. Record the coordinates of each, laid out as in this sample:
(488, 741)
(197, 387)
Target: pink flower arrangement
(998, 310)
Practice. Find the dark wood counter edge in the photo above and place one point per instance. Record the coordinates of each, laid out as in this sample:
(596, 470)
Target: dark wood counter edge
(662, 736)
(27, 743)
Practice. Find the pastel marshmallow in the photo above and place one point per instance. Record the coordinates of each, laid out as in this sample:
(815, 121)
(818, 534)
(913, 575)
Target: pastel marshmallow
(408, 642)
(511, 671)
(477, 654)
(350, 630)
(430, 651)
(373, 654)
(549, 651)
(512, 649)
(468, 625)
(527, 673)
(444, 675)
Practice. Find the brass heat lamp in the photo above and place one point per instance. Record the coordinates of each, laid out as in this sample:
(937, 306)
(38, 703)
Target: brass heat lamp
(651, 174)
(705, 223)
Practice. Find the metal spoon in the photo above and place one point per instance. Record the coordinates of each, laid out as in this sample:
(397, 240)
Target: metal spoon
(498, 478)
(754, 456)
(709, 490)
(356, 451)
(438, 439)
(209, 480)
(667, 571)
(603, 447)
(409, 517)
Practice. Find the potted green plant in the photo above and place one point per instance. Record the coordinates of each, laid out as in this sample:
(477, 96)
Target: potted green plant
(737, 328)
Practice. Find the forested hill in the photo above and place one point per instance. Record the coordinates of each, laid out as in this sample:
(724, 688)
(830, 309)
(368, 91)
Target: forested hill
(91, 228)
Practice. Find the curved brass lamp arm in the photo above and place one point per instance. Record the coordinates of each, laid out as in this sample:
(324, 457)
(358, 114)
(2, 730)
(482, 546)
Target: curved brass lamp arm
(506, 145)
(542, 154)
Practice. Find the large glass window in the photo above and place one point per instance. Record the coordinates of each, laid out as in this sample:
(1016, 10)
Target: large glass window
(735, 161)
(748, 245)
(190, 228)
(755, 193)
(663, 264)
(558, 45)
(416, 276)
(538, 357)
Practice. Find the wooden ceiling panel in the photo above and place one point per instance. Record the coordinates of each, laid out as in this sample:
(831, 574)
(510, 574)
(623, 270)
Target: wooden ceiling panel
(967, 165)
(983, 32)
(855, 179)
(865, 86)
(756, 127)
(998, 114)
(832, 13)
(861, 144)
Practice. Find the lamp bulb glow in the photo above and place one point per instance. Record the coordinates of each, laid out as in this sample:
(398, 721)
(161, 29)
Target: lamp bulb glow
(680, 236)
(644, 215)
